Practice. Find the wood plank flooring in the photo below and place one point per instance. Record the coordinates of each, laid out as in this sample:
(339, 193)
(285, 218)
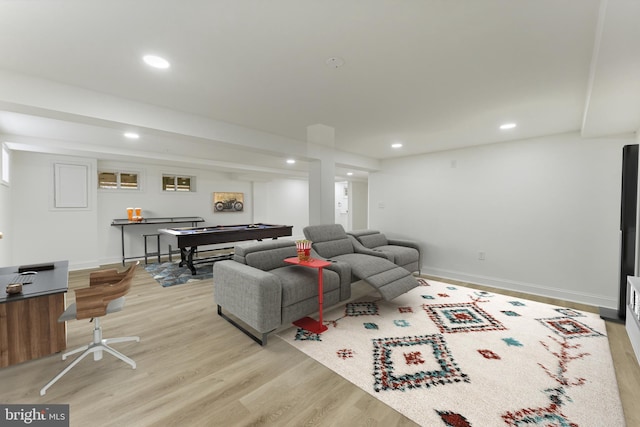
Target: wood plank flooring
(195, 369)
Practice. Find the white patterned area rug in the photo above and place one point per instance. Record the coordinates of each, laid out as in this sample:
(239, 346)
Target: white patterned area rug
(445, 355)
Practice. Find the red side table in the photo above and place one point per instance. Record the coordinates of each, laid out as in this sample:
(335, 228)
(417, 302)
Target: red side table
(307, 323)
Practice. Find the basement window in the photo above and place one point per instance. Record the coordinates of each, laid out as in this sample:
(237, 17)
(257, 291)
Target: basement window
(178, 183)
(118, 180)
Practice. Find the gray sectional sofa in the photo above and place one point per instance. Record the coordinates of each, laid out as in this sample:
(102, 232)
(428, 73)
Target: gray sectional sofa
(331, 242)
(259, 290)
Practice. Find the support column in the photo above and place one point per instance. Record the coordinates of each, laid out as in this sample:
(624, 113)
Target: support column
(320, 147)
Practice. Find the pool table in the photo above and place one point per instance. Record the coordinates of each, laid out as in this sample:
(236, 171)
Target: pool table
(187, 239)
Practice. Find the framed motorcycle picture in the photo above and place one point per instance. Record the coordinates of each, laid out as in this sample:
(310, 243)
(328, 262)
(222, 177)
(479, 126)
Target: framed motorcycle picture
(228, 202)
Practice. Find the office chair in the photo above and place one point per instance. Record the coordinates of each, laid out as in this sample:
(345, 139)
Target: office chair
(104, 295)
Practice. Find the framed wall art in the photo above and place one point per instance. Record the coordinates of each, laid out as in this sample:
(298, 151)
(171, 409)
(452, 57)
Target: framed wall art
(228, 202)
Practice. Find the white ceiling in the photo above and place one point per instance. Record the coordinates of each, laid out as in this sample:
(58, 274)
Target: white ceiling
(432, 74)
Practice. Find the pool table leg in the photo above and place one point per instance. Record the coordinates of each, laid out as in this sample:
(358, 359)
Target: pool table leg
(186, 258)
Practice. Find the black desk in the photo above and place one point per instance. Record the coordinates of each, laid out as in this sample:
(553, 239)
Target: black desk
(194, 220)
(29, 327)
(188, 239)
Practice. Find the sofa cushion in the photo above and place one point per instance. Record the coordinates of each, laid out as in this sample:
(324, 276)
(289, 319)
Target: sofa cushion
(324, 233)
(373, 240)
(389, 279)
(334, 247)
(270, 259)
(300, 283)
(329, 239)
(402, 255)
(363, 266)
(358, 233)
(241, 250)
(294, 312)
(392, 283)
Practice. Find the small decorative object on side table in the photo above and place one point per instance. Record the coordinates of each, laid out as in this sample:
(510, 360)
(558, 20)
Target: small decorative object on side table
(134, 214)
(14, 288)
(304, 249)
(307, 323)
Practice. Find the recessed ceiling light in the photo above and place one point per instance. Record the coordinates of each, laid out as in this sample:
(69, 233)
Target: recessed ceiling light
(349, 173)
(131, 135)
(291, 161)
(156, 61)
(507, 126)
(396, 145)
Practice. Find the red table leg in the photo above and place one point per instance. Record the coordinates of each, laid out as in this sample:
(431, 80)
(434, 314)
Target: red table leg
(309, 324)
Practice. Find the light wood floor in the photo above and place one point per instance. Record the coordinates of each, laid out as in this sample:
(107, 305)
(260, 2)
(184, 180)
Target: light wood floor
(195, 369)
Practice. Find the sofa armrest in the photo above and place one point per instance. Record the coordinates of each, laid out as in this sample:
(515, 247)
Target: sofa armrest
(365, 232)
(402, 242)
(344, 272)
(361, 249)
(252, 295)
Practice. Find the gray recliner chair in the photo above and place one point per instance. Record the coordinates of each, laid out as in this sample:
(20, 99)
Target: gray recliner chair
(404, 253)
(333, 243)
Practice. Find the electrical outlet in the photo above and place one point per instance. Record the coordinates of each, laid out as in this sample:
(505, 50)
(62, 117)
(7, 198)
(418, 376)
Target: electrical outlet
(481, 256)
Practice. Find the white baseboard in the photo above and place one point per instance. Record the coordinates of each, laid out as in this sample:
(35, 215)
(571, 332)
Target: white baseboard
(86, 265)
(73, 266)
(530, 288)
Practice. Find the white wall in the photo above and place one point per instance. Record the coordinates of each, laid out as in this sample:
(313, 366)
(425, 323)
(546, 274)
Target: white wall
(359, 212)
(341, 202)
(545, 212)
(157, 203)
(36, 233)
(284, 201)
(41, 233)
(351, 210)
